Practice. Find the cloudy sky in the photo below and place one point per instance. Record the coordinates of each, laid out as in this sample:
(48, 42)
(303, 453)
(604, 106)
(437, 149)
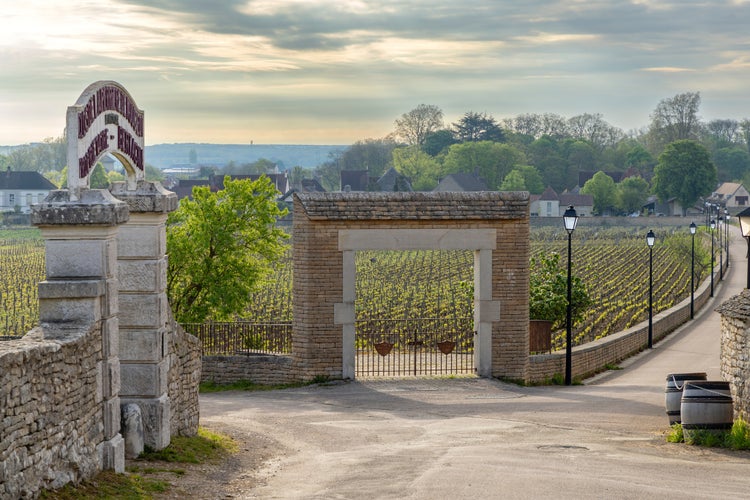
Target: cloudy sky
(338, 71)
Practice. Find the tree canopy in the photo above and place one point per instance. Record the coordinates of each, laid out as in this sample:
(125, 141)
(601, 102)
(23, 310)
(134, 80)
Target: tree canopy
(220, 245)
(685, 172)
(414, 127)
(602, 187)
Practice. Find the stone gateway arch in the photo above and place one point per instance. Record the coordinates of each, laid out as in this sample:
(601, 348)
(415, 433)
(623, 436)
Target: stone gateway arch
(330, 227)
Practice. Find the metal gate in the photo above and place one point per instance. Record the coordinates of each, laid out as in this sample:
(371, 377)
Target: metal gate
(415, 346)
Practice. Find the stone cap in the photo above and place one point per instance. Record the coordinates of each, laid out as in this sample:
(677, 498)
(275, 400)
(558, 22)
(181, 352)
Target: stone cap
(147, 196)
(737, 307)
(477, 205)
(93, 207)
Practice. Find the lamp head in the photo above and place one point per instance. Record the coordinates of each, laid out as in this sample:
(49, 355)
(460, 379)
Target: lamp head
(713, 224)
(650, 238)
(692, 228)
(744, 218)
(570, 219)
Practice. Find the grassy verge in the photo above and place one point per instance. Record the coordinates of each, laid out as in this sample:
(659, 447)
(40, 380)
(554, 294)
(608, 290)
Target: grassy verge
(249, 385)
(737, 438)
(206, 446)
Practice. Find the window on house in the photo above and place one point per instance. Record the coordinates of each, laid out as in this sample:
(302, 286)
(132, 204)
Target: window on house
(11, 199)
(28, 199)
(549, 209)
(741, 200)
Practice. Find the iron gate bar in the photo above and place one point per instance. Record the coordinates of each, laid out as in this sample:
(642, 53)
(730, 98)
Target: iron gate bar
(418, 346)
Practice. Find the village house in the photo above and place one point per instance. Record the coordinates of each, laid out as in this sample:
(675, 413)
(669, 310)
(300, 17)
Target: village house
(551, 204)
(731, 195)
(19, 190)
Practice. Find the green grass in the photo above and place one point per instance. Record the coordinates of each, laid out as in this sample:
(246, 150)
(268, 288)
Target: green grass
(737, 438)
(206, 446)
(249, 385)
(30, 233)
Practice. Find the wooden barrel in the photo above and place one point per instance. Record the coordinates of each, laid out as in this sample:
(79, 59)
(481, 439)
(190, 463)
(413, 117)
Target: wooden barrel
(706, 405)
(673, 393)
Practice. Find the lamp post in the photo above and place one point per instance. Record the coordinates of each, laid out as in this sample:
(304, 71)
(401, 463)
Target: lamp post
(711, 226)
(570, 219)
(744, 218)
(721, 248)
(692, 268)
(726, 233)
(650, 239)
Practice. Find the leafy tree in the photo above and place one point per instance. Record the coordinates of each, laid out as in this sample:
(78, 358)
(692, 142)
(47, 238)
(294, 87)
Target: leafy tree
(438, 142)
(478, 127)
(153, 173)
(632, 193)
(602, 187)
(732, 163)
(532, 180)
(51, 154)
(490, 160)
(685, 172)
(220, 245)
(548, 292)
(513, 182)
(593, 129)
(414, 127)
(373, 155)
(297, 175)
(421, 168)
(114, 177)
(98, 178)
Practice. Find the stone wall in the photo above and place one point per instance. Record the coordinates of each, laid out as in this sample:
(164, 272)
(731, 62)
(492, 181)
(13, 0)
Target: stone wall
(735, 350)
(259, 368)
(184, 353)
(51, 411)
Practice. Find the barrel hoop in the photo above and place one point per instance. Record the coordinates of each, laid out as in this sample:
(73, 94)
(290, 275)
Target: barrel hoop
(714, 399)
(706, 426)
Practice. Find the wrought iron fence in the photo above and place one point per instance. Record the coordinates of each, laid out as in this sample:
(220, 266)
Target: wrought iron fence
(241, 337)
(414, 346)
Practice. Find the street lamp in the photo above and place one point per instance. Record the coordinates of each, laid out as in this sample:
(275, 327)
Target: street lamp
(721, 249)
(570, 219)
(650, 239)
(726, 233)
(692, 267)
(744, 218)
(712, 225)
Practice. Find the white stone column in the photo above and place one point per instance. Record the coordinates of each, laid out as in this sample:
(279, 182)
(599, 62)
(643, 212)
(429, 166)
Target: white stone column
(144, 309)
(80, 294)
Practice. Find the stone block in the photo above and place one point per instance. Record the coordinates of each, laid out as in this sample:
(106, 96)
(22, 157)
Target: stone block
(110, 370)
(156, 413)
(112, 454)
(142, 275)
(110, 337)
(111, 417)
(143, 379)
(142, 345)
(132, 429)
(76, 259)
(141, 241)
(142, 310)
(78, 311)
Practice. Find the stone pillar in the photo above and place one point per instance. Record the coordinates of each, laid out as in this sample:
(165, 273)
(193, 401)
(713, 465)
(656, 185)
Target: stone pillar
(144, 317)
(80, 294)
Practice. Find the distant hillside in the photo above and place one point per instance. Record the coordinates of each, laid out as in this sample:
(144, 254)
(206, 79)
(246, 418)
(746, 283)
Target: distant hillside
(285, 155)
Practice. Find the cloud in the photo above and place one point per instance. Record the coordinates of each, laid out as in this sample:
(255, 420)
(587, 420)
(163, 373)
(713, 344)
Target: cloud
(358, 64)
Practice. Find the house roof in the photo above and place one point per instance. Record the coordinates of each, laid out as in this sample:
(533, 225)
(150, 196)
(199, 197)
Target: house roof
(549, 194)
(25, 180)
(577, 200)
(728, 189)
(357, 180)
(462, 181)
(392, 181)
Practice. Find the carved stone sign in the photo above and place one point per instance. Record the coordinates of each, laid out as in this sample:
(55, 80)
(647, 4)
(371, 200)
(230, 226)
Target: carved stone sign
(105, 119)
